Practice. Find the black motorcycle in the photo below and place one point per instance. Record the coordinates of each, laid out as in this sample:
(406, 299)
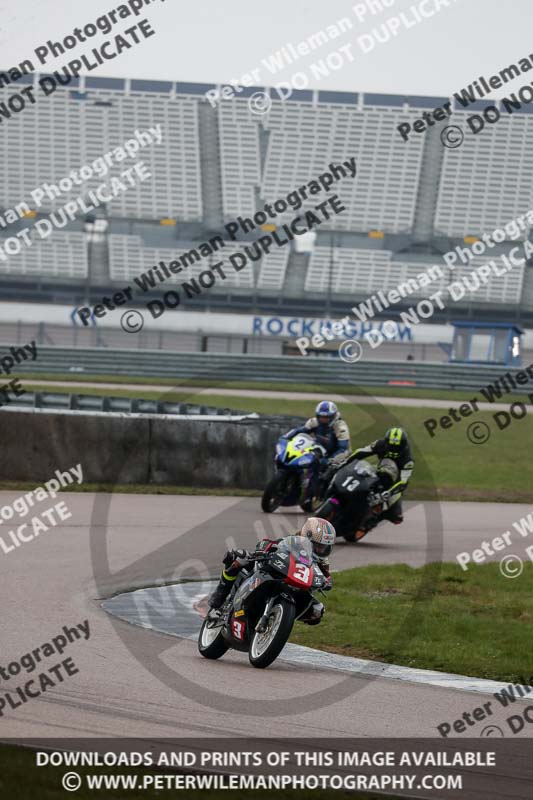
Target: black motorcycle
(352, 499)
(259, 614)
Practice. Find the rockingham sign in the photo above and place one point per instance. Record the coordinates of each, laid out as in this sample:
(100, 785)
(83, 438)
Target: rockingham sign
(258, 325)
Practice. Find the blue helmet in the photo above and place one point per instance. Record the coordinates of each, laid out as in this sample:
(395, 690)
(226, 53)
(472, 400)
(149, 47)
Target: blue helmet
(326, 412)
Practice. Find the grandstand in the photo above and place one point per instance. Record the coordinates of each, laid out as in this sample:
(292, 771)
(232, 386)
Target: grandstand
(409, 203)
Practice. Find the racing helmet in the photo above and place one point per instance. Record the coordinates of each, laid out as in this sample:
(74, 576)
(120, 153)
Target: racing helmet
(396, 442)
(326, 412)
(322, 535)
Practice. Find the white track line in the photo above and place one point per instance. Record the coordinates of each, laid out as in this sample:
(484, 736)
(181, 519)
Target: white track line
(318, 659)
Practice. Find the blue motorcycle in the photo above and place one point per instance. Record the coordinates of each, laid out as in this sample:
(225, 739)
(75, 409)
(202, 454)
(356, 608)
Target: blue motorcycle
(297, 469)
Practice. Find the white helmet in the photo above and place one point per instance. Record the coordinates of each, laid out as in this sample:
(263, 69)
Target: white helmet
(322, 535)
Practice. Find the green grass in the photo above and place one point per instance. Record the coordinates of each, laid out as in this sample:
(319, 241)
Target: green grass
(281, 386)
(133, 488)
(21, 778)
(477, 623)
(499, 471)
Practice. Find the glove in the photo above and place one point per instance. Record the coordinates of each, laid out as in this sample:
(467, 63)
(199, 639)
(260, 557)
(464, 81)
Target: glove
(265, 548)
(232, 555)
(381, 449)
(340, 459)
(328, 585)
(374, 500)
(385, 498)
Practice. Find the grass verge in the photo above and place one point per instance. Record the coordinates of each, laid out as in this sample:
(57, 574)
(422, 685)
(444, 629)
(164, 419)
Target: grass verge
(133, 488)
(477, 623)
(21, 778)
(452, 467)
(280, 386)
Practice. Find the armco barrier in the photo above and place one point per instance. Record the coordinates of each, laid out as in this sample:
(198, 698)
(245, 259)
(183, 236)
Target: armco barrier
(120, 449)
(225, 367)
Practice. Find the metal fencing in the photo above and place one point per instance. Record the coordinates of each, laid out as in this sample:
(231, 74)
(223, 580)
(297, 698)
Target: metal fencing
(218, 367)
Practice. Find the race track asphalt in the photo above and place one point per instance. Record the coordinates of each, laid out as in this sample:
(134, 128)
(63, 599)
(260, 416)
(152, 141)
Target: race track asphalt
(136, 682)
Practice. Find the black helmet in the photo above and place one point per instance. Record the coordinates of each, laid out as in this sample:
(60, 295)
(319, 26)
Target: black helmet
(396, 442)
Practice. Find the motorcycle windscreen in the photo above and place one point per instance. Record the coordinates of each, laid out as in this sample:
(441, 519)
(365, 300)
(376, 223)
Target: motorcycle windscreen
(297, 554)
(358, 477)
(299, 449)
(363, 468)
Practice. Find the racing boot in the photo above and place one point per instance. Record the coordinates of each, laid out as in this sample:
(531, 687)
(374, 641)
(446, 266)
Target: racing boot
(233, 561)
(216, 598)
(313, 615)
(367, 526)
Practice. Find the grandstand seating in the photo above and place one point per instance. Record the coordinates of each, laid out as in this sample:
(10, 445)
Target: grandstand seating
(481, 185)
(240, 163)
(486, 182)
(363, 272)
(76, 128)
(62, 255)
(129, 258)
(305, 139)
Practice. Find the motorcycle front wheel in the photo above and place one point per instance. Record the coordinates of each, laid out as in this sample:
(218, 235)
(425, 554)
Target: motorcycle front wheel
(274, 493)
(311, 505)
(211, 643)
(266, 647)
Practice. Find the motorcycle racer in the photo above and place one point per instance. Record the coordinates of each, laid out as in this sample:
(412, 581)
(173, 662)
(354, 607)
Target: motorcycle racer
(328, 428)
(320, 532)
(395, 467)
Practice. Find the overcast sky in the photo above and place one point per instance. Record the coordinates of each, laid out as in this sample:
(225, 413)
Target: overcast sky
(217, 40)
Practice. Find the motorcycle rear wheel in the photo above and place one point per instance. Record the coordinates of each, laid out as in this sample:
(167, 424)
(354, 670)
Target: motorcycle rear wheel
(266, 647)
(211, 644)
(274, 494)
